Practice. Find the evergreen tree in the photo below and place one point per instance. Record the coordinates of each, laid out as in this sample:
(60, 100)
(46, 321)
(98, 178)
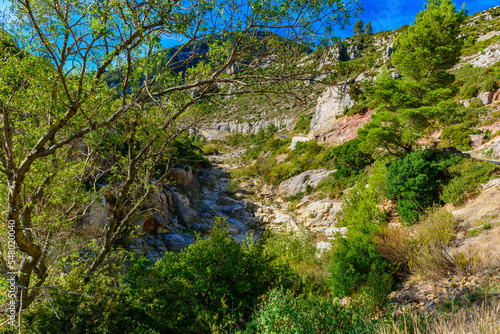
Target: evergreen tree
(422, 55)
(368, 28)
(271, 130)
(358, 27)
(430, 46)
(261, 135)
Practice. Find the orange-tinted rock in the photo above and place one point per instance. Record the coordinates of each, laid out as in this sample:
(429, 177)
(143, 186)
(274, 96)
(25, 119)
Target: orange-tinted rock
(477, 140)
(496, 96)
(345, 128)
(148, 226)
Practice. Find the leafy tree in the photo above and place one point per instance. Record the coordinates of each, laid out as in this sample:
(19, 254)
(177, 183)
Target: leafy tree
(92, 95)
(422, 55)
(368, 28)
(358, 27)
(261, 136)
(394, 133)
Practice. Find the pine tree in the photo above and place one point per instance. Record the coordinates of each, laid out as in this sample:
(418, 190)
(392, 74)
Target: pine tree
(422, 55)
(431, 46)
(368, 28)
(358, 27)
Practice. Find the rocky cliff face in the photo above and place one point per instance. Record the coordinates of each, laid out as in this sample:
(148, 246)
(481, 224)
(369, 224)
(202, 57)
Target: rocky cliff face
(331, 105)
(219, 130)
(345, 128)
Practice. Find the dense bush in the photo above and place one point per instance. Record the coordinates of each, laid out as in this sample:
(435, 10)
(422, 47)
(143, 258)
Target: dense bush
(303, 123)
(213, 285)
(285, 313)
(457, 136)
(297, 250)
(432, 257)
(467, 176)
(490, 85)
(357, 267)
(349, 162)
(415, 183)
(469, 92)
(347, 159)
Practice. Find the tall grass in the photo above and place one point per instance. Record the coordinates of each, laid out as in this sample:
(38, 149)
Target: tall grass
(476, 319)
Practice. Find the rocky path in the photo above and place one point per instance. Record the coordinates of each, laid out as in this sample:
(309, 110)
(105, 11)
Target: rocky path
(189, 208)
(266, 209)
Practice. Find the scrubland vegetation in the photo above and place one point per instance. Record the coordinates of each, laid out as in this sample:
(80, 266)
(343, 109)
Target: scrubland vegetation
(396, 193)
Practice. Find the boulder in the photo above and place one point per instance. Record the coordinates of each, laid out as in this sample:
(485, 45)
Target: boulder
(491, 183)
(184, 177)
(477, 140)
(395, 75)
(227, 201)
(496, 96)
(183, 209)
(175, 242)
(486, 97)
(331, 104)
(300, 182)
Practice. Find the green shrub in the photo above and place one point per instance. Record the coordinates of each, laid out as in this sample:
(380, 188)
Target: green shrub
(477, 231)
(457, 136)
(281, 172)
(297, 251)
(349, 162)
(357, 268)
(432, 257)
(261, 136)
(214, 284)
(466, 177)
(303, 123)
(233, 187)
(415, 182)
(286, 314)
(209, 149)
(271, 130)
(469, 92)
(490, 85)
(105, 310)
(347, 159)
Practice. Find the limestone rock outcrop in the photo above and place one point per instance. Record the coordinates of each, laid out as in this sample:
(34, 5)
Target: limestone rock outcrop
(94, 223)
(331, 105)
(487, 57)
(490, 150)
(220, 129)
(300, 182)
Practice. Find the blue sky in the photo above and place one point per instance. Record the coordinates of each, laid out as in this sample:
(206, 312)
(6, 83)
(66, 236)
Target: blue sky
(384, 15)
(392, 14)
